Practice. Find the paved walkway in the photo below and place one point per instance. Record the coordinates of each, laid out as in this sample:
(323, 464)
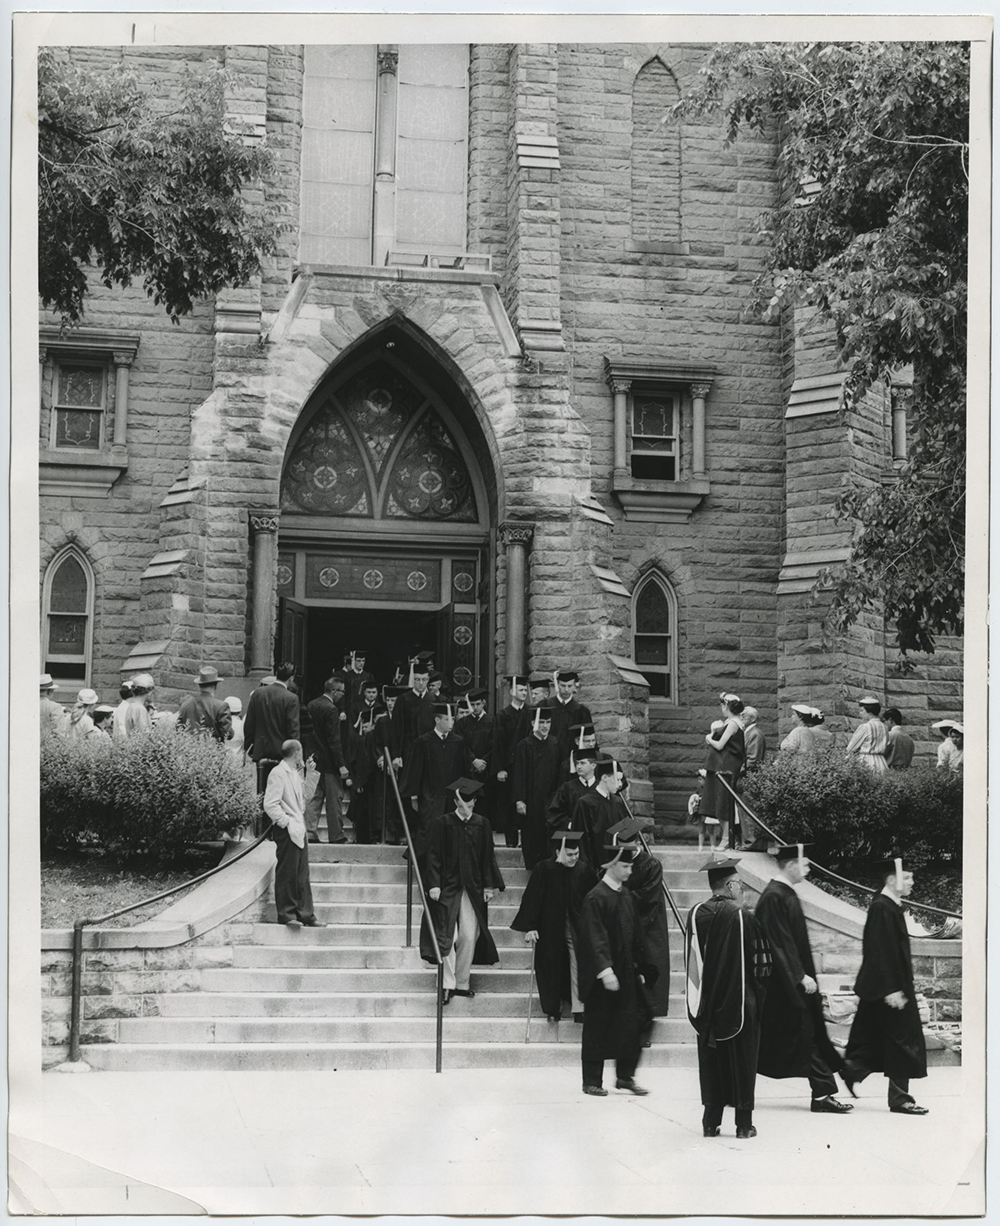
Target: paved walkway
(484, 1142)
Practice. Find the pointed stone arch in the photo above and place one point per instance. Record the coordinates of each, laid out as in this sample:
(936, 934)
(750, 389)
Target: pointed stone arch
(656, 155)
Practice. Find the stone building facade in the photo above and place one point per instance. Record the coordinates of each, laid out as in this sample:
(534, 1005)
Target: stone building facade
(497, 395)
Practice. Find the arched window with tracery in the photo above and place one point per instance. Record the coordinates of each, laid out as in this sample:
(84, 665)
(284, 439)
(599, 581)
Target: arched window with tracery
(656, 156)
(67, 618)
(654, 635)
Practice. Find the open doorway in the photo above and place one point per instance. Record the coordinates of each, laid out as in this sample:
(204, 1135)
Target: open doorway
(389, 636)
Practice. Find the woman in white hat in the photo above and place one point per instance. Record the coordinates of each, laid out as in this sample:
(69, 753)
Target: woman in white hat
(870, 739)
(799, 740)
(80, 723)
(950, 752)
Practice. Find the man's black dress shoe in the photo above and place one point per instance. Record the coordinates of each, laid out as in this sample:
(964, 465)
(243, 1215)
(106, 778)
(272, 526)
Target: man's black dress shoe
(313, 922)
(629, 1084)
(463, 992)
(446, 995)
(710, 1132)
(830, 1106)
(744, 1134)
(597, 1091)
(909, 1109)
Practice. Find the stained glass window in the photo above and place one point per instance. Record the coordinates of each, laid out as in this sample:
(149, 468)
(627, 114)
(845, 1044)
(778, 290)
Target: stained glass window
(79, 406)
(653, 639)
(68, 619)
(430, 479)
(326, 475)
(380, 403)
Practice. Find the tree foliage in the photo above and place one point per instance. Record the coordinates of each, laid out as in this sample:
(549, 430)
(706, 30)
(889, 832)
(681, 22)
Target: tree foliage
(872, 231)
(145, 188)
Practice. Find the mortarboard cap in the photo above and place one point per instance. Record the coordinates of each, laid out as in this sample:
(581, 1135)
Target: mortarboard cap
(719, 868)
(587, 754)
(436, 676)
(626, 831)
(567, 836)
(419, 666)
(542, 713)
(889, 864)
(513, 679)
(444, 708)
(477, 695)
(619, 842)
(567, 675)
(392, 691)
(790, 851)
(466, 788)
(606, 766)
(540, 683)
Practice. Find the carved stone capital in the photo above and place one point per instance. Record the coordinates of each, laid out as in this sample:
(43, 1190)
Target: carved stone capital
(516, 532)
(903, 395)
(388, 60)
(43, 353)
(123, 357)
(264, 521)
(699, 391)
(621, 387)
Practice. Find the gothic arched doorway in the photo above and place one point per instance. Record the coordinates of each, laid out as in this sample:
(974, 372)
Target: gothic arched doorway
(386, 511)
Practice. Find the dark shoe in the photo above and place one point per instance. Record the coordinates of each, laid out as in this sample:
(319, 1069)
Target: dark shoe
(446, 995)
(578, 1018)
(553, 1019)
(597, 1091)
(313, 922)
(291, 923)
(338, 842)
(706, 1131)
(463, 992)
(314, 838)
(744, 1134)
(909, 1109)
(630, 1085)
(830, 1106)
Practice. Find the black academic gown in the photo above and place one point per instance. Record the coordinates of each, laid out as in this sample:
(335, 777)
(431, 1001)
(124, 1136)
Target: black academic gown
(412, 716)
(564, 716)
(883, 1038)
(594, 813)
(354, 691)
(725, 1008)
(610, 934)
(554, 893)
(460, 857)
(432, 764)
(645, 884)
(478, 736)
(534, 780)
(508, 730)
(791, 1023)
(564, 802)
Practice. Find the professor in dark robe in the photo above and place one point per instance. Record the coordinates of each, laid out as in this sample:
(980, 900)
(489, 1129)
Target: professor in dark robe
(549, 916)
(793, 1038)
(435, 759)
(727, 967)
(886, 1034)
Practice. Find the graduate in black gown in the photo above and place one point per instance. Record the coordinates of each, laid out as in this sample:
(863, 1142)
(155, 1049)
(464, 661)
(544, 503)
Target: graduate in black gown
(563, 803)
(727, 965)
(584, 737)
(534, 780)
(365, 773)
(886, 1033)
(435, 759)
(616, 1017)
(567, 710)
(509, 729)
(357, 679)
(793, 1038)
(645, 884)
(600, 808)
(476, 730)
(462, 876)
(413, 714)
(549, 917)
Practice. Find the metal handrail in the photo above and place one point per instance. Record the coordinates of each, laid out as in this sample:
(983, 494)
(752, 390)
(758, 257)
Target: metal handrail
(666, 889)
(855, 885)
(80, 924)
(413, 869)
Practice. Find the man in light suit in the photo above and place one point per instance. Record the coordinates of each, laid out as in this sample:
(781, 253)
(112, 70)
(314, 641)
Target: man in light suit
(284, 804)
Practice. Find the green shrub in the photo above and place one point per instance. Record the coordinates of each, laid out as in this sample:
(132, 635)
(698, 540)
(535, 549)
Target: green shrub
(150, 796)
(851, 814)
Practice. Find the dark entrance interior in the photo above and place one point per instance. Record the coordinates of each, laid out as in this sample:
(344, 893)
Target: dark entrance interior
(389, 636)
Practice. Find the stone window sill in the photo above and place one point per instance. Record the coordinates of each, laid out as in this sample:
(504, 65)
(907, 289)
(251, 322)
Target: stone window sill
(76, 474)
(665, 502)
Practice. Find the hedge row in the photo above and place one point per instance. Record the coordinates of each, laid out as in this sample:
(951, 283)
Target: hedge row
(852, 815)
(152, 796)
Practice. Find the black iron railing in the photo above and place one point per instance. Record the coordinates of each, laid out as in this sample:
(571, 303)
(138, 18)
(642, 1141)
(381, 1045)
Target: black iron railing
(413, 873)
(827, 872)
(80, 924)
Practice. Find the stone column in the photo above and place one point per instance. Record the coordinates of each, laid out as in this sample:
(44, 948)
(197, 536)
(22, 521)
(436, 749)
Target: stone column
(902, 397)
(384, 228)
(621, 387)
(699, 393)
(264, 526)
(123, 361)
(515, 538)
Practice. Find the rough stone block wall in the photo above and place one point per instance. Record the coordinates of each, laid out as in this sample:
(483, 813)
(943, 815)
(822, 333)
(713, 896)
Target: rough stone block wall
(284, 139)
(682, 305)
(489, 139)
(121, 983)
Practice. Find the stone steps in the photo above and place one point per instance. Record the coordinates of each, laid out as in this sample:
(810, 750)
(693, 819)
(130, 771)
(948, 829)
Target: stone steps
(261, 1004)
(485, 979)
(266, 1057)
(460, 1029)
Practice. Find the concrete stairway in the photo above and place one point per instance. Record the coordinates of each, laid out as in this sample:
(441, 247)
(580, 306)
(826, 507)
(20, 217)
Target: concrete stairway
(353, 996)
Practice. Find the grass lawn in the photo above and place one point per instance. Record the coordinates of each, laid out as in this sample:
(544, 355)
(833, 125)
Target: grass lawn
(88, 884)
